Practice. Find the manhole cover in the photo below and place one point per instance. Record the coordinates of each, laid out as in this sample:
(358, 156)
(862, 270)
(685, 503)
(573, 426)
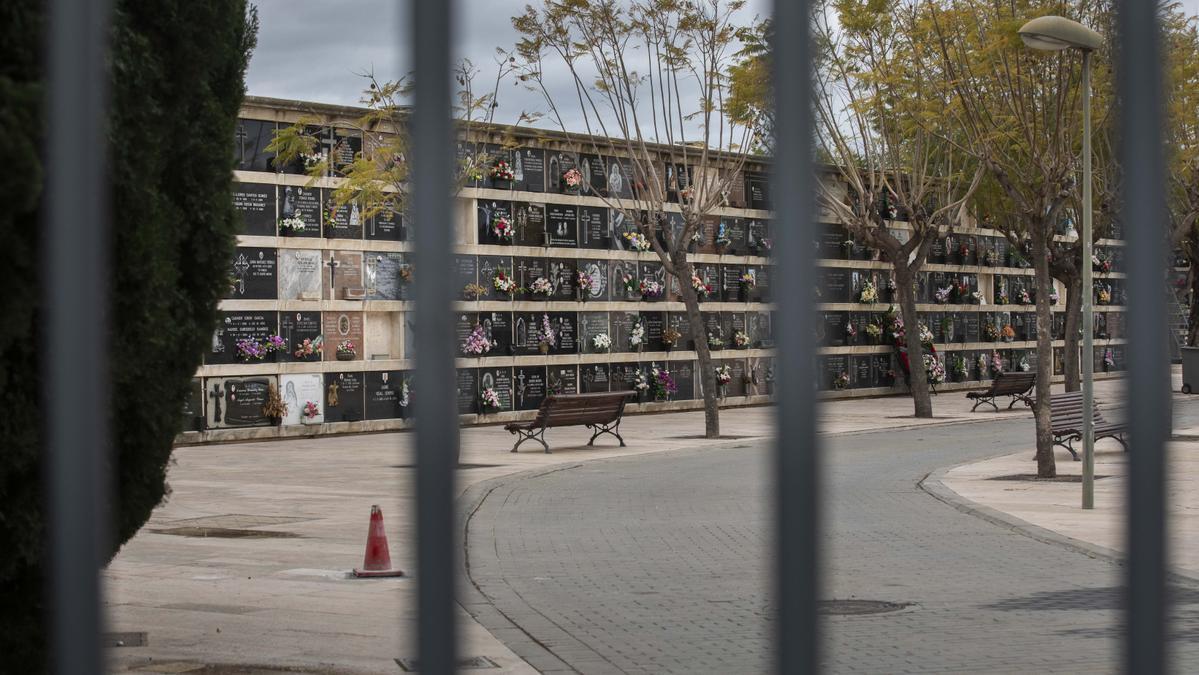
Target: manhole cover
(859, 607)
(225, 533)
(469, 663)
(1032, 477)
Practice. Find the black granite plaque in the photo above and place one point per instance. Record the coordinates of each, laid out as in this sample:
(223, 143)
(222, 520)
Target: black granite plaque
(594, 377)
(730, 283)
(494, 155)
(679, 322)
(973, 327)
(489, 267)
(296, 327)
(561, 275)
(619, 180)
(594, 228)
(831, 368)
(500, 381)
(735, 233)
(255, 205)
(383, 392)
(757, 189)
(526, 271)
(597, 270)
(713, 328)
(621, 326)
(253, 274)
(236, 326)
(711, 276)
(244, 399)
(192, 415)
(760, 328)
(861, 373)
(620, 271)
(347, 145)
(595, 176)
(757, 237)
(762, 289)
(652, 271)
(341, 222)
(883, 369)
(497, 326)
(386, 225)
(464, 324)
(735, 192)
(345, 397)
(835, 284)
(528, 168)
(562, 225)
(654, 323)
(529, 387)
(250, 140)
(738, 385)
(467, 162)
(592, 324)
(466, 272)
(936, 253)
(303, 203)
(529, 221)
(566, 336)
(487, 212)
(684, 376)
(468, 391)
(834, 329)
(561, 380)
(620, 224)
(624, 376)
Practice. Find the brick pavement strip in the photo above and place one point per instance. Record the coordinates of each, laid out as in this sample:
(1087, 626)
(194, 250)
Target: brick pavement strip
(659, 563)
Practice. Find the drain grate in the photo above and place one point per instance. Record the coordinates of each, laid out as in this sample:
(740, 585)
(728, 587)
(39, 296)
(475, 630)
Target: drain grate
(470, 663)
(859, 607)
(123, 639)
(224, 533)
(234, 520)
(1034, 478)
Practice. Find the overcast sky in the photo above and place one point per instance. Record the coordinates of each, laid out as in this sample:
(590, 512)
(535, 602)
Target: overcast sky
(312, 49)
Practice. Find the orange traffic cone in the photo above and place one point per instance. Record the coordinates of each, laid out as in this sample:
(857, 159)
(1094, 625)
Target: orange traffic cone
(377, 562)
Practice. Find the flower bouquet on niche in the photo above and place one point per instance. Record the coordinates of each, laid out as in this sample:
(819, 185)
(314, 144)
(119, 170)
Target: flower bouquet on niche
(724, 375)
(1008, 334)
(670, 338)
(1023, 297)
(637, 335)
(874, 332)
(663, 384)
(310, 412)
(571, 180)
(501, 175)
(869, 294)
(250, 350)
(715, 342)
(640, 383)
(489, 401)
(346, 350)
(934, 369)
(637, 241)
(501, 227)
(1109, 359)
(601, 343)
(748, 282)
(477, 343)
(961, 370)
(650, 289)
(741, 340)
(583, 285)
(473, 291)
(703, 289)
(545, 335)
(851, 332)
(942, 295)
(274, 409)
(308, 349)
(983, 365)
(990, 332)
(996, 363)
(541, 287)
(502, 283)
(841, 381)
(292, 225)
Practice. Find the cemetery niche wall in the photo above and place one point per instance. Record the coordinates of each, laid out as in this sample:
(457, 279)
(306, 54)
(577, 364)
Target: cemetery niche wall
(322, 313)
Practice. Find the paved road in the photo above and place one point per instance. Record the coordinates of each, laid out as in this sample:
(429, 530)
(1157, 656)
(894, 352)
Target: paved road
(659, 564)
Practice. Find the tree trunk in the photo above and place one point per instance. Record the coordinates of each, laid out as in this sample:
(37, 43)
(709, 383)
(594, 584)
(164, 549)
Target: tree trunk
(1073, 337)
(1046, 467)
(917, 379)
(707, 372)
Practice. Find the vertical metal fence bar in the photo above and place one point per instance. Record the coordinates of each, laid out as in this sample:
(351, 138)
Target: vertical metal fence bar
(431, 142)
(1144, 217)
(797, 467)
(76, 294)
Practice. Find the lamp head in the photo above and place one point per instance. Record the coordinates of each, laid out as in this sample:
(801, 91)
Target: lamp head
(1055, 33)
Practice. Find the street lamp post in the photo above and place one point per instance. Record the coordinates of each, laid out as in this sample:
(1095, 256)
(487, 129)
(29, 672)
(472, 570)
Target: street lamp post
(1055, 33)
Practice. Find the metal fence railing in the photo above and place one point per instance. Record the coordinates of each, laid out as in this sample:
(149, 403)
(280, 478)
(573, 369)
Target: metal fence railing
(75, 295)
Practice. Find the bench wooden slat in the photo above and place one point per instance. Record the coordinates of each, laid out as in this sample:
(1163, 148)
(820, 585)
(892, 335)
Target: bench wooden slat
(601, 410)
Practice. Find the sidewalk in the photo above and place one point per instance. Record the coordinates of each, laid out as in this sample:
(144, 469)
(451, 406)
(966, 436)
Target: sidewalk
(286, 603)
(1056, 506)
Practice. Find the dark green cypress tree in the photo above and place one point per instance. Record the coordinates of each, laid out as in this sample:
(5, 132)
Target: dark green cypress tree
(177, 81)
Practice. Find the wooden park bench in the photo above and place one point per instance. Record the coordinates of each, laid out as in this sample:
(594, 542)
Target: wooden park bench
(1017, 385)
(1065, 411)
(599, 411)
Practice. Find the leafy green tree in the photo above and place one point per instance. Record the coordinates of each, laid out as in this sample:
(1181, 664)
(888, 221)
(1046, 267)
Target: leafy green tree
(176, 84)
